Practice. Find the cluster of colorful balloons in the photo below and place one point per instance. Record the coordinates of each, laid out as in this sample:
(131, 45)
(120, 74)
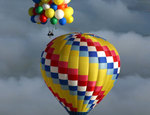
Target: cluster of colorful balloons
(57, 11)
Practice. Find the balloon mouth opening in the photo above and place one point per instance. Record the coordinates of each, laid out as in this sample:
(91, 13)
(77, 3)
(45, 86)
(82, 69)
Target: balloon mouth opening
(77, 113)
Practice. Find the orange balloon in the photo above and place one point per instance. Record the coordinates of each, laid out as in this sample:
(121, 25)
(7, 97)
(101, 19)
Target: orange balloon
(62, 6)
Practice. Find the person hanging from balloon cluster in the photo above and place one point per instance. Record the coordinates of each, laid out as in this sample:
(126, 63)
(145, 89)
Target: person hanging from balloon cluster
(56, 11)
(50, 33)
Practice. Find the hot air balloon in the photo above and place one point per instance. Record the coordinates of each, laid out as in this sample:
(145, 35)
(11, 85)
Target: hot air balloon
(80, 69)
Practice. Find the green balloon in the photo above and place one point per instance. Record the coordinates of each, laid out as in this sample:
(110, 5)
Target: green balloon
(39, 10)
(54, 20)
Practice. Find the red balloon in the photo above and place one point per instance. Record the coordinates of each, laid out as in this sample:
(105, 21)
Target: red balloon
(50, 2)
(36, 5)
(34, 12)
(43, 12)
(66, 5)
(43, 18)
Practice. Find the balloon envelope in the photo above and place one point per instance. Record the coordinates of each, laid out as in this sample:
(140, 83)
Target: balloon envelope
(80, 69)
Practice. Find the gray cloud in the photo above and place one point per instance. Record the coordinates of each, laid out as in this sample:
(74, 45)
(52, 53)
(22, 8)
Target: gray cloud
(22, 57)
(89, 15)
(121, 22)
(140, 5)
(114, 15)
(31, 96)
(129, 96)
(26, 97)
(133, 49)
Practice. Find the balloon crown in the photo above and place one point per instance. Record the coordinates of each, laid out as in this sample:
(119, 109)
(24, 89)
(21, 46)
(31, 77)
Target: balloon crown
(57, 11)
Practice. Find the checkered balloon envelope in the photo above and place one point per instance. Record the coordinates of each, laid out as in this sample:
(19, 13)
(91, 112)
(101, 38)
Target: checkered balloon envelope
(80, 69)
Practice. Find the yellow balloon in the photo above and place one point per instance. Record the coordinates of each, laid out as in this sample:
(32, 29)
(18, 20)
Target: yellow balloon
(49, 13)
(45, 1)
(58, 2)
(68, 12)
(67, 1)
(70, 19)
(30, 11)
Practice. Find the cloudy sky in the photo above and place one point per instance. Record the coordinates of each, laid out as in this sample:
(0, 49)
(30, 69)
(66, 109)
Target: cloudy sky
(125, 23)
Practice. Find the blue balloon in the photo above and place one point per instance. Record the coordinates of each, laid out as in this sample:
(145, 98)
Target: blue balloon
(37, 1)
(62, 21)
(32, 19)
(54, 6)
